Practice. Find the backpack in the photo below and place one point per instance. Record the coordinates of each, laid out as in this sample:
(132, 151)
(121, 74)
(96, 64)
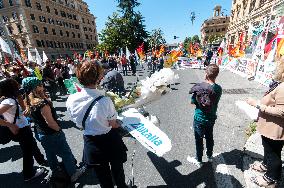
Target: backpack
(205, 96)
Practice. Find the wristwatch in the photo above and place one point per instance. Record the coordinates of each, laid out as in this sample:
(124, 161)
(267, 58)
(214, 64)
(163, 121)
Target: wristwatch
(257, 106)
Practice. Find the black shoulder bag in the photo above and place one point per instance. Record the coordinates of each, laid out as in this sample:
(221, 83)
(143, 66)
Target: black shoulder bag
(5, 134)
(89, 110)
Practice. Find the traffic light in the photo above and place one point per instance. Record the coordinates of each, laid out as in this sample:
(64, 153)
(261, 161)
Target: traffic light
(175, 37)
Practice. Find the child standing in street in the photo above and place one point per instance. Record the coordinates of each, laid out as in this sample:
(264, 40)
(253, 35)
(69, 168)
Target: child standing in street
(206, 96)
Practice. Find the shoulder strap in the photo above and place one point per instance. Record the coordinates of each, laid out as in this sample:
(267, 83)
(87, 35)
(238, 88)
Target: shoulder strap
(89, 109)
(17, 111)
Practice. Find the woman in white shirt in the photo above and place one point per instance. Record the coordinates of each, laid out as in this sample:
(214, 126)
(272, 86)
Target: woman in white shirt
(90, 109)
(14, 126)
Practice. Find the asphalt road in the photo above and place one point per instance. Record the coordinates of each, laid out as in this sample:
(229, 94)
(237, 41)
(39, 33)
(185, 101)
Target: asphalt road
(176, 116)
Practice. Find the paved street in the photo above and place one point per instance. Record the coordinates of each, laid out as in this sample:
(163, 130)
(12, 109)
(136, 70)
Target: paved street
(176, 116)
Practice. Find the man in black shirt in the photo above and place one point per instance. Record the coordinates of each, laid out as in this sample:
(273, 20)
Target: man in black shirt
(49, 80)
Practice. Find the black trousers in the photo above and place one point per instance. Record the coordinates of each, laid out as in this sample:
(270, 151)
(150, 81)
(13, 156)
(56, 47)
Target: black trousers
(106, 171)
(272, 158)
(29, 149)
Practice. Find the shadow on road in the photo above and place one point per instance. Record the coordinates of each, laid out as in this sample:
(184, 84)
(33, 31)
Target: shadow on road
(204, 175)
(13, 152)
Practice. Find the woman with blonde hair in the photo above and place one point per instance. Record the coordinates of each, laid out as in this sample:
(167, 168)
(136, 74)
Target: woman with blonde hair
(270, 125)
(47, 128)
(90, 109)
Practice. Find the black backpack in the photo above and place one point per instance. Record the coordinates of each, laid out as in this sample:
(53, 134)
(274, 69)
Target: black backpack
(205, 96)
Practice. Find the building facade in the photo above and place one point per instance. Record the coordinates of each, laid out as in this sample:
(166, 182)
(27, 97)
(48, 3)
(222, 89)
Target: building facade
(215, 27)
(58, 27)
(250, 12)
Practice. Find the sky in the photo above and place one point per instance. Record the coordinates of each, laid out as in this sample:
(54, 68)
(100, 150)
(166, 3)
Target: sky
(173, 17)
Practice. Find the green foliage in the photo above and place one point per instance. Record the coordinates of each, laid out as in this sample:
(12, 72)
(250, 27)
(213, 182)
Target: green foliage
(215, 39)
(187, 42)
(156, 39)
(123, 30)
(251, 129)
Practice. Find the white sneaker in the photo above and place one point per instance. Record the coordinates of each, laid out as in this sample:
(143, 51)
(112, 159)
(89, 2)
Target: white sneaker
(79, 172)
(38, 172)
(194, 161)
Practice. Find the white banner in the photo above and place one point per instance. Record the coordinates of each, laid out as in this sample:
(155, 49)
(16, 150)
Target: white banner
(4, 46)
(150, 136)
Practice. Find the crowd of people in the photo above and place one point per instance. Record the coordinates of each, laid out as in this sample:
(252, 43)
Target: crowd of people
(24, 100)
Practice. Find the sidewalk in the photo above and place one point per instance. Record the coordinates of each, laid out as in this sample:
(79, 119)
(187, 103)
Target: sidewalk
(253, 150)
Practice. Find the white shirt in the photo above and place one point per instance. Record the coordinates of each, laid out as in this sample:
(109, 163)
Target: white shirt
(71, 69)
(97, 121)
(9, 115)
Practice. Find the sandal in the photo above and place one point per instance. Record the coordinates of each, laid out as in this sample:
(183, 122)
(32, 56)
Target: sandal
(258, 166)
(261, 181)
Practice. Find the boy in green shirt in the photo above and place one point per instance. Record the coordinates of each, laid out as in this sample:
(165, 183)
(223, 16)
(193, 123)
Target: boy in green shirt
(204, 119)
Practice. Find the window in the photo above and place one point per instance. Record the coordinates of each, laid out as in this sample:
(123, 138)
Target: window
(15, 16)
(88, 21)
(77, 26)
(1, 4)
(32, 16)
(42, 19)
(83, 20)
(53, 32)
(91, 37)
(85, 29)
(35, 28)
(10, 29)
(50, 20)
(28, 3)
(45, 30)
(61, 33)
(20, 28)
(11, 2)
(223, 29)
(24, 43)
(67, 33)
(93, 22)
(38, 6)
(56, 11)
(87, 37)
(47, 9)
(73, 35)
(42, 43)
(5, 19)
(74, 17)
(79, 36)
(63, 14)
(217, 30)
(38, 43)
(90, 29)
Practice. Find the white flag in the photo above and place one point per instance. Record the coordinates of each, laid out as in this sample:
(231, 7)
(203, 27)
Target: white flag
(44, 57)
(30, 57)
(127, 54)
(38, 58)
(4, 46)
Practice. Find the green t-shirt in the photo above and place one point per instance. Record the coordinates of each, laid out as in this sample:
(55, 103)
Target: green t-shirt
(199, 115)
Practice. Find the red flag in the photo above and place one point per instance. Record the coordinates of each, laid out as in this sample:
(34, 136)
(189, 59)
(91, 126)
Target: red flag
(26, 72)
(7, 61)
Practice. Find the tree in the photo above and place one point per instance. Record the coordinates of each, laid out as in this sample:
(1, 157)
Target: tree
(187, 42)
(195, 39)
(156, 39)
(124, 28)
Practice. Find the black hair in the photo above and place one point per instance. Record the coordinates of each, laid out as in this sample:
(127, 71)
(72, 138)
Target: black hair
(9, 88)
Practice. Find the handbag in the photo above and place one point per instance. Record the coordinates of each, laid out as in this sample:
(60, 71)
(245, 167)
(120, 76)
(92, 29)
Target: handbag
(5, 134)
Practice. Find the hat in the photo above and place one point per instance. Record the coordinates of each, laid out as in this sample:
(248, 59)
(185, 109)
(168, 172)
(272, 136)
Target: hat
(30, 83)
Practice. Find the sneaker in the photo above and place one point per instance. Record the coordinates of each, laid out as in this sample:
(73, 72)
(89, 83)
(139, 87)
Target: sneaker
(210, 159)
(79, 172)
(38, 172)
(195, 161)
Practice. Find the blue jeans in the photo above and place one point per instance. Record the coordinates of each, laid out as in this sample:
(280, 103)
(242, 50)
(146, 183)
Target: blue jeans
(202, 130)
(56, 145)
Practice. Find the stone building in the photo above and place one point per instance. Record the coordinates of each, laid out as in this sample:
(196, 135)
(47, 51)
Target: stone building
(215, 27)
(250, 12)
(59, 27)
